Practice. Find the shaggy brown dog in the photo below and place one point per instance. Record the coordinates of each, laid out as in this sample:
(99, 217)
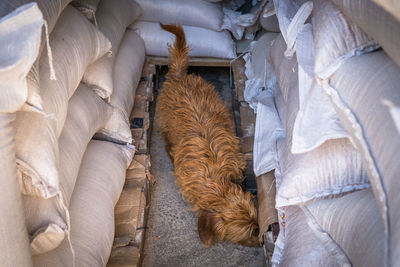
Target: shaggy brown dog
(207, 163)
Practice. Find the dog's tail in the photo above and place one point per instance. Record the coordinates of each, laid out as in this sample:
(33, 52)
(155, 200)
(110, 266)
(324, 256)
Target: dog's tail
(178, 58)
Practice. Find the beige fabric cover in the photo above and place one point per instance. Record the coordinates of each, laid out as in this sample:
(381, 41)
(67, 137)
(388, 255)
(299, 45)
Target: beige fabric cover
(112, 19)
(354, 223)
(335, 39)
(332, 168)
(47, 224)
(98, 186)
(190, 12)
(14, 242)
(381, 25)
(391, 6)
(87, 114)
(126, 75)
(75, 43)
(20, 34)
(360, 90)
(87, 7)
(202, 42)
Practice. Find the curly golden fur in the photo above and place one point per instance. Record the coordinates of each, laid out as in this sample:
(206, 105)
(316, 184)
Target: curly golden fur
(207, 161)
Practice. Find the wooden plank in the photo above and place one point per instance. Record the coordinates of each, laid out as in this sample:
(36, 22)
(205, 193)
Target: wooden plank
(126, 222)
(132, 207)
(127, 256)
(193, 61)
(239, 76)
(247, 125)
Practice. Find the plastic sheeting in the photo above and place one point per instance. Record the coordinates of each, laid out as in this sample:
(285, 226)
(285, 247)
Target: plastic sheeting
(359, 90)
(352, 222)
(260, 90)
(268, 129)
(376, 22)
(190, 13)
(259, 72)
(203, 42)
(112, 19)
(335, 39)
(127, 71)
(87, 114)
(286, 11)
(98, 186)
(284, 68)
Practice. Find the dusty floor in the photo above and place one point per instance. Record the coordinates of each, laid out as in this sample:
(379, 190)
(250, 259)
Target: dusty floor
(171, 238)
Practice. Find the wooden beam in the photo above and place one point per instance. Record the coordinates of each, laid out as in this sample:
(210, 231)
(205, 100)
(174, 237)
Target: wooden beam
(193, 61)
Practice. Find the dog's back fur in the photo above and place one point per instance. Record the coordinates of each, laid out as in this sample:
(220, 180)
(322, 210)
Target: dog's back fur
(207, 161)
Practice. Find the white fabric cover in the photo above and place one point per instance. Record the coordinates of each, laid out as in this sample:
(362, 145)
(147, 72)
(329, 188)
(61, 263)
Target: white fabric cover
(302, 247)
(335, 39)
(112, 19)
(20, 34)
(51, 9)
(332, 168)
(197, 13)
(126, 75)
(375, 21)
(75, 43)
(359, 90)
(14, 242)
(315, 106)
(87, 114)
(98, 187)
(203, 42)
(353, 222)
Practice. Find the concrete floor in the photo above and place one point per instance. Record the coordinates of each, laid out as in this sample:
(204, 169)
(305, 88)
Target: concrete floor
(171, 238)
